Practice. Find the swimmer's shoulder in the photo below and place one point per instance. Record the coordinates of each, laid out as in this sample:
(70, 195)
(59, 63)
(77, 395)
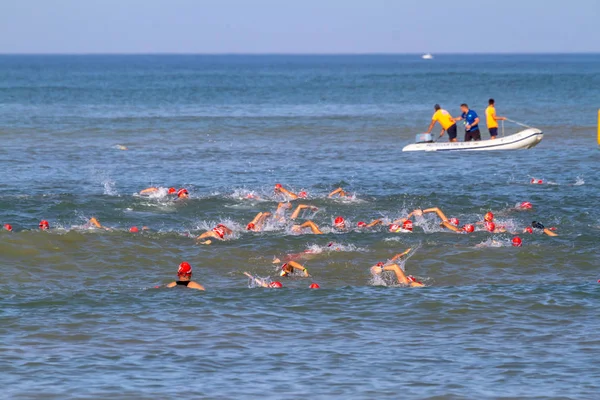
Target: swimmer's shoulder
(172, 284)
(195, 285)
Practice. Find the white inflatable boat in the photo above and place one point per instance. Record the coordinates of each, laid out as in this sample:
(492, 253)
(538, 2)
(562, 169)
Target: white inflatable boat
(525, 139)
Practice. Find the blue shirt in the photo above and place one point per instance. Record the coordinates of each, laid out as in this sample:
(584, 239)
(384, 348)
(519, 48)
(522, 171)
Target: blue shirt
(469, 118)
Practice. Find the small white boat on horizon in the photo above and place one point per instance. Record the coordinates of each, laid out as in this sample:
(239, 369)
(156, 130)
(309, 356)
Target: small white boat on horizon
(427, 56)
(522, 140)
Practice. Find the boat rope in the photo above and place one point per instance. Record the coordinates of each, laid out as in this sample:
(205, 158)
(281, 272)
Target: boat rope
(518, 123)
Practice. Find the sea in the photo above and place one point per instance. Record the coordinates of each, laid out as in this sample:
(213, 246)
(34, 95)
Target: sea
(84, 313)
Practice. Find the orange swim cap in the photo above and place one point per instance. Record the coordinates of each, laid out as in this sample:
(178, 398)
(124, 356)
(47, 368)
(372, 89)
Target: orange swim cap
(134, 229)
(44, 225)
(361, 224)
(526, 205)
(454, 221)
(8, 227)
(490, 226)
(182, 192)
(489, 217)
(184, 269)
(172, 190)
(275, 285)
(407, 225)
(314, 286)
(517, 242)
(468, 228)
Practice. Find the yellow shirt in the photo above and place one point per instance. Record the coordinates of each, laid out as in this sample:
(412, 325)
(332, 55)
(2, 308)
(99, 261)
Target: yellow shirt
(490, 114)
(444, 118)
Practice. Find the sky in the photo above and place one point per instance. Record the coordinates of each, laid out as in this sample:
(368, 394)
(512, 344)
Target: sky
(299, 26)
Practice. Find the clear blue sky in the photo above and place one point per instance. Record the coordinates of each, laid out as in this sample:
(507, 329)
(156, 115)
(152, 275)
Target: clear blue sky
(298, 26)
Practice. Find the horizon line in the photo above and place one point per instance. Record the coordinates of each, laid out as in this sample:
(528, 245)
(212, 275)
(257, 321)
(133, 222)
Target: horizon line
(293, 54)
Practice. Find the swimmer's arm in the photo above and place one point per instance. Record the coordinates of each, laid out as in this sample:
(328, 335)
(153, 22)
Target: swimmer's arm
(298, 209)
(298, 266)
(256, 218)
(313, 227)
(257, 280)
(437, 211)
(416, 213)
(293, 196)
(448, 225)
(194, 285)
(549, 232)
(374, 223)
(399, 255)
(149, 190)
(339, 191)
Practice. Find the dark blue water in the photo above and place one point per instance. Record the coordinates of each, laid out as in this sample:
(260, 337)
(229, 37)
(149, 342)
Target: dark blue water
(78, 313)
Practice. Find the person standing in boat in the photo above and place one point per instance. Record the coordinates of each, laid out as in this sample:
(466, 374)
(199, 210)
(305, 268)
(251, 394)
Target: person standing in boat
(446, 121)
(471, 123)
(492, 119)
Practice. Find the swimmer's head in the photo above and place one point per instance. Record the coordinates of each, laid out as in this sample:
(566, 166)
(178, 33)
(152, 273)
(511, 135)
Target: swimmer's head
(488, 217)
(303, 194)
(362, 224)
(172, 190)
(250, 226)
(526, 205)
(314, 286)
(44, 225)
(183, 193)
(185, 269)
(134, 229)
(454, 221)
(379, 264)
(537, 225)
(407, 225)
(490, 226)
(394, 228)
(8, 227)
(277, 187)
(339, 222)
(468, 228)
(517, 242)
(275, 285)
(528, 230)
(286, 270)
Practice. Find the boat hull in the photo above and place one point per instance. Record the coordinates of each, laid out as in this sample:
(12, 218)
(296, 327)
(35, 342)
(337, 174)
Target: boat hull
(519, 141)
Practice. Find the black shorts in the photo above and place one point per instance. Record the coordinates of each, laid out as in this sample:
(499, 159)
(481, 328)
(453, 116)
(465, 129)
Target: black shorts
(472, 135)
(452, 132)
(493, 132)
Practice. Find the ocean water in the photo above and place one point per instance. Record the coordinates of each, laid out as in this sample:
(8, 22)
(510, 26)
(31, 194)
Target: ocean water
(79, 313)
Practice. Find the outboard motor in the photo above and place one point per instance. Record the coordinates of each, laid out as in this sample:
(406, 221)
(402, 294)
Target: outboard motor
(423, 138)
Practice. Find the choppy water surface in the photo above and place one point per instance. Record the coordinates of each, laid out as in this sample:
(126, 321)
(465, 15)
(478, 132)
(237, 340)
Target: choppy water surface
(79, 315)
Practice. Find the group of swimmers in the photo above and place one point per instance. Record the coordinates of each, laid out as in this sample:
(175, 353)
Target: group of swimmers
(293, 268)
(471, 121)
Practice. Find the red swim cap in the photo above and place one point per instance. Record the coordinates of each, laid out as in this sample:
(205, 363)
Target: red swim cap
(172, 190)
(379, 264)
(303, 194)
(275, 285)
(250, 226)
(182, 192)
(454, 221)
(394, 228)
(529, 229)
(184, 269)
(489, 217)
(338, 221)
(361, 224)
(314, 286)
(134, 229)
(526, 205)
(468, 228)
(407, 225)
(278, 186)
(44, 225)
(517, 242)
(8, 227)
(490, 226)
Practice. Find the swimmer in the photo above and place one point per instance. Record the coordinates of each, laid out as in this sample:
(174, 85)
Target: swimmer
(264, 282)
(364, 225)
(257, 223)
(489, 224)
(339, 223)
(8, 227)
(525, 205)
(183, 193)
(538, 227)
(452, 223)
(409, 280)
(184, 278)
(308, 224)
(218, 232)
(405, 227)
(280, 211)
(94, 223)
(291, 266)
(152, 190)
(280, 189)
(339, 191)
(300, 208)
(44, 225)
